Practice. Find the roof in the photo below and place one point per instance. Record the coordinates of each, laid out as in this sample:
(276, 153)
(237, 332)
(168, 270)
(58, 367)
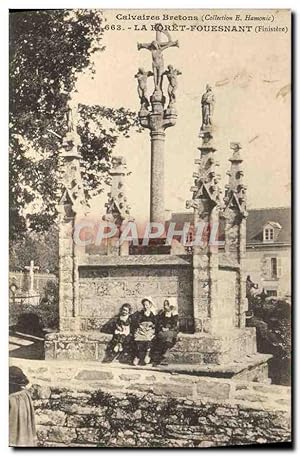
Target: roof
(257, 219)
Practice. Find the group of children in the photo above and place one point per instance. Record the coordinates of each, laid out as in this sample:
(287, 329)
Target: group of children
(144, 335)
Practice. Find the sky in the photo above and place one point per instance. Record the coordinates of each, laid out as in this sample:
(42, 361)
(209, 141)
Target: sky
(250, 76)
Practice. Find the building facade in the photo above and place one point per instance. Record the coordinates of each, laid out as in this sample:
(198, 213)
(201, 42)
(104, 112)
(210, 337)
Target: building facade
(268, 248)
(268, 257)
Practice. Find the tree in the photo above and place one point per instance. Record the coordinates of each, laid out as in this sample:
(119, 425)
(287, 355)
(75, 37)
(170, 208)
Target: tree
(272, 320)
(48, 49)
(42, 248)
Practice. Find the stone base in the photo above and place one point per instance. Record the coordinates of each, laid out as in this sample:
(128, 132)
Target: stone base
(79, 346)
(252, 368)
(199, 349)
(206, 349)
(230, 356)
(91, 346)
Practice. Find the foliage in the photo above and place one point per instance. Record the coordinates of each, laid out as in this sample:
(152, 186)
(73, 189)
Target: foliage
(42, 248)
(48, 50)
(272, 320)
(101, 399)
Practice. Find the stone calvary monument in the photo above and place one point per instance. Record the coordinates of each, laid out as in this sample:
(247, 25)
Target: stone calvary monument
(209, 285)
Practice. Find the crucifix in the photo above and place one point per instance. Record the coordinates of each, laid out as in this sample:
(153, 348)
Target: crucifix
(31, 270)
(156, 48)
(157, 119)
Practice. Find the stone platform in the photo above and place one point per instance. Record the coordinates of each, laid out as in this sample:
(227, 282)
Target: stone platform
(233, 355)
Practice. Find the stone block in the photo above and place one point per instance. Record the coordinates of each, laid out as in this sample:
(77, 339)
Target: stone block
(91, 375)
(93, 273)
(50, 417)
(49, 347)
(40, 392)
(58, 434)
(212, 389)
(174, 390)
(88, 435)
(137, 415)
(77, 409)
(66, 289)
(180, 357)
(76, 350)
(206, 444)
(129, 377)
(88, 421)
(250, 397)
(66, 263)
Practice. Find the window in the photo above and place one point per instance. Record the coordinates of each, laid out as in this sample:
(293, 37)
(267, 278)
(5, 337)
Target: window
(271, 292)
(189, 237)
(274, 272)
(269, 234)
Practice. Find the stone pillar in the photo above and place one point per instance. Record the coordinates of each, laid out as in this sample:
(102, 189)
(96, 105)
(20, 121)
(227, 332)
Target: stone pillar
(157, 197)
(117, 207)
(205, 202)
(160, 117)
(235, 216)
(157, 121)
(71, 208)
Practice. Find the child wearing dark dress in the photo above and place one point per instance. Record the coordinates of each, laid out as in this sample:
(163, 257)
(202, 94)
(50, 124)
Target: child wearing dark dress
(166, 332)
(121, 331)
(144, 332)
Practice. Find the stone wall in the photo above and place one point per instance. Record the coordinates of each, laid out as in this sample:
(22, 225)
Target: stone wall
(93, 405)
(103, 289)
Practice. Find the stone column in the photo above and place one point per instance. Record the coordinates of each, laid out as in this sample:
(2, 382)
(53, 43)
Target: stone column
(235, 216)
(70, 208)
(157, 197)
(205, 256)
(160, 117)
(117, 207)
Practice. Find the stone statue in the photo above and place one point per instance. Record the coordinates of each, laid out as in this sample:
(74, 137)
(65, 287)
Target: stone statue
(71, 116)
(172, 74)
(207, 103)
(142, 77)
(156, 48)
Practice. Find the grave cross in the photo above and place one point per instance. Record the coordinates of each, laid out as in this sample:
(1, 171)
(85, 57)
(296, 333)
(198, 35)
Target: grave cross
(31, 270)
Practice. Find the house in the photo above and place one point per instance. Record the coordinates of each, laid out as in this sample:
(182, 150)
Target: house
(268, 248)
(268, 255)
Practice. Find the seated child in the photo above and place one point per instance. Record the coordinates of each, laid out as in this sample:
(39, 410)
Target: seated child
(122, 329)
(166, 332)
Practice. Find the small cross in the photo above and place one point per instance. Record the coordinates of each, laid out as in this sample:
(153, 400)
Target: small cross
(31, 270)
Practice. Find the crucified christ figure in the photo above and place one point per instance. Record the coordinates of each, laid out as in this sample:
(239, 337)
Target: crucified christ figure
(156, 48)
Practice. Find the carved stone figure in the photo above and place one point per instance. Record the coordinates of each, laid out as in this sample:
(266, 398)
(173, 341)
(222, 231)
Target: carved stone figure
(156, 48)
(142, 77)
(207, 103)
(71, 116)
(172, 74)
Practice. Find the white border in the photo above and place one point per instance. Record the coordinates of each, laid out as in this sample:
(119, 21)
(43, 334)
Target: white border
(174, 4)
